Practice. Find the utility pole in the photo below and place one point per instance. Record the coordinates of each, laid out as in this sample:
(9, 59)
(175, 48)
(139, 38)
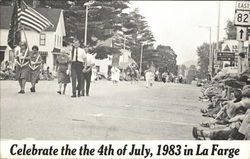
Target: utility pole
(240, 58)
(141, 58)
(211, 56)
(86, 25)
(218, 38)
(87, 4)
(218, 27)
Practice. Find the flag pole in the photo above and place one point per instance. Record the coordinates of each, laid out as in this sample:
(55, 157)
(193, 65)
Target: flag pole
(25, 38)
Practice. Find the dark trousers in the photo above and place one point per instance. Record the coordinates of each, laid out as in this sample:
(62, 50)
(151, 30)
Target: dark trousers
(226, 134)
(86, 81)
(76, 74)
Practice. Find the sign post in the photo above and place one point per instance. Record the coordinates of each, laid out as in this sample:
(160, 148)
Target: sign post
(242, 20)
(225, 56)
(241, 33)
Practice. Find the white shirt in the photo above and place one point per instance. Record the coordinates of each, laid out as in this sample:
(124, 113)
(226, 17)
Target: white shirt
(81, 54)
(90, 59)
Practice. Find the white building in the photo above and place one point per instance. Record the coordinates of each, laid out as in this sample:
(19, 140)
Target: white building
(50, 41)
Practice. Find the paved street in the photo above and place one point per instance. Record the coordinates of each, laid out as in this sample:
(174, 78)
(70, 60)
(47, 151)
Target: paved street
(127, 111)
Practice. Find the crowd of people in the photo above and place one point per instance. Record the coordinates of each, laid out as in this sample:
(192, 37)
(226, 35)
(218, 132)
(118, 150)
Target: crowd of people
(75, 66)
(228, 108)
(228, 96)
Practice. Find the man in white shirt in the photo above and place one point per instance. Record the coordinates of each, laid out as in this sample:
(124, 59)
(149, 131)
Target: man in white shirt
(78, 59)
(87, 72)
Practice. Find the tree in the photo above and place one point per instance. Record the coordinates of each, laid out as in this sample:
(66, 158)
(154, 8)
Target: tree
(203, 60)
(103, 19)
(136, 28)
(167, 58)
(163, 57)
(192, 73)
(230, 30)
(182, 69)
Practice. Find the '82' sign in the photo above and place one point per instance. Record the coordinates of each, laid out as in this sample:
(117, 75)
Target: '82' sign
(242, 18)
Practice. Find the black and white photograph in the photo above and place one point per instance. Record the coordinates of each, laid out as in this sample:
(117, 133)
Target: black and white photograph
(124, 70)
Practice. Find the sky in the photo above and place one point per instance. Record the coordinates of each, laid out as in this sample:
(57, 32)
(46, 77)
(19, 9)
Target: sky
(183, 24)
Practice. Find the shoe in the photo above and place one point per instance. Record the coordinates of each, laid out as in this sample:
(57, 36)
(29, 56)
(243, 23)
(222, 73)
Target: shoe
(73, 96)
(59, 92)
(198, 134)
(32, 89)
(79, 94)
(21, 92)
(204, 111)
(203, 124)
(87, 94)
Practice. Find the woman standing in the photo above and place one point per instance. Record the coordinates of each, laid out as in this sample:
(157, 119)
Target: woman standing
(22, 69)
(35, 67)
(62, 68)
(115, 74)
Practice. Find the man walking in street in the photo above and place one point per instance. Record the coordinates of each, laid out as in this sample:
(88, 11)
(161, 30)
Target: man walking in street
(78, 57)
(87, 72)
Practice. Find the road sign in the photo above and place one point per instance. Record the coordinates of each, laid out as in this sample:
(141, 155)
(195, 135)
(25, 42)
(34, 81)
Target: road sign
(216, 66)
(225, 56)
(241, 33)
(242, 18)
(242, 5)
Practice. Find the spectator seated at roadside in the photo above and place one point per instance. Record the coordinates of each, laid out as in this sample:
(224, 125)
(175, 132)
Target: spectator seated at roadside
(6, 73)
(238, 120)
(217, 103)
(221, 111)
(210, 90)
(47, 75)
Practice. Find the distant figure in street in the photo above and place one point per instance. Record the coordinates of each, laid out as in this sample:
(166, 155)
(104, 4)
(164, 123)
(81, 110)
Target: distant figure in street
(164, 77)
(115, 74)
(132, 72)
(35, 67)
(78, 58)
(22, 56)
(137, 75)
(180, 79)
(62, 68)
(149, 76)
(94, 74)
(48, 74)
(87, 73)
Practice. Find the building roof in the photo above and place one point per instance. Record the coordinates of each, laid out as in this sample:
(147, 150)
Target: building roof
(52, 15)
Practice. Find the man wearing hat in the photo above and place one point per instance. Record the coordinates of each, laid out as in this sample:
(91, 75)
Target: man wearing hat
(78, 59)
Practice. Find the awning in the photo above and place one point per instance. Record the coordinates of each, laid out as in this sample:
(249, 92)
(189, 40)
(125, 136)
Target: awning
(56, 50)
(3, 48)
(43, 53)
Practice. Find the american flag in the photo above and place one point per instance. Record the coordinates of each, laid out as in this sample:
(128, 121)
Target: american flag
(30, 18)
(14, 36)
(25, 16)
